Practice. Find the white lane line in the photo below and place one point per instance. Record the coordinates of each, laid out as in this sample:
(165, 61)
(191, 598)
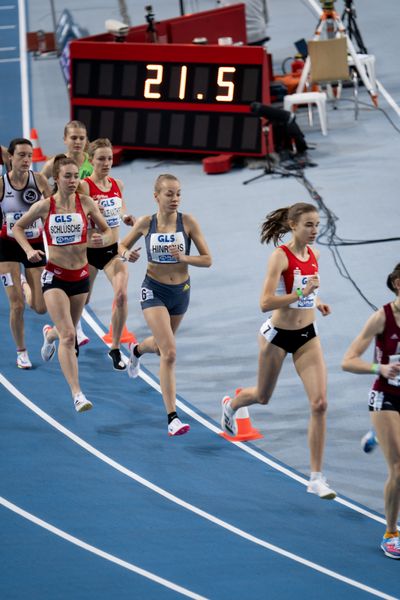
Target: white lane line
(8, 48)
(94, 550)
(388, 98)
(7, 26)
(182, 503)
(7, 60)
(8, 7)
(100, 332)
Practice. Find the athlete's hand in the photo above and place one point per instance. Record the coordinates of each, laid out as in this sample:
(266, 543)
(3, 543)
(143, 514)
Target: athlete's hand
(390, 371)
(97, 240)
(132, 255)
(129, 220)
(324, 309)
(174, 251)
(35, 255)
(311, 285)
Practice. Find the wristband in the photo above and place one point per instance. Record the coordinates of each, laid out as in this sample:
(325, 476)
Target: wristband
(299, 293)
(375, 369)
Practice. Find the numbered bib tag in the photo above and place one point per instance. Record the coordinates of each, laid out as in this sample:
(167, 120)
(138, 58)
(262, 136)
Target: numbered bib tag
(111, 210)
(6, 279)
(146, 294)
(46, 277)
(375, 400)
(160, 243)
(300, 281)
(33, 231)
(394, 358)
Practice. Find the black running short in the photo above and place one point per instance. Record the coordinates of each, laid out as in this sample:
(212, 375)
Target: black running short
(11, 251)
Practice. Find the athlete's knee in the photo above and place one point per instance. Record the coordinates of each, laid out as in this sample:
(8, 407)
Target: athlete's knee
(319, 405)
(395, 473)
(169, 355)
(39, 308)
(121, 299)
(17, 306)
(67, 337)
(263, 398)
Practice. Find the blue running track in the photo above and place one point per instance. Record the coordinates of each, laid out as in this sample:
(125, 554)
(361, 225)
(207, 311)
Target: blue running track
(104, 505)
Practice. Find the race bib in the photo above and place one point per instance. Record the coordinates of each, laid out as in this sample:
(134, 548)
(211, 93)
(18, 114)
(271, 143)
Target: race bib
(46, 277)
(375, 400)
(146, 294)
(111, 210)
(33, 231)
(160, 243)
(66, 229)
(394, 358)
(300, 281)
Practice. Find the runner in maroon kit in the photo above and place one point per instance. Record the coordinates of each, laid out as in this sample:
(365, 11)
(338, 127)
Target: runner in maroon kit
(384, 397)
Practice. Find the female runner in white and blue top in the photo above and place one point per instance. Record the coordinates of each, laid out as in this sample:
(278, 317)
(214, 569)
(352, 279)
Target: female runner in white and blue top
(166, 288)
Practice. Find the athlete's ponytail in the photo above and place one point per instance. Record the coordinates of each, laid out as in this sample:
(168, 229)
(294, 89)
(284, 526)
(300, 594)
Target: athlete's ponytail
(278, 222)
(395, 274)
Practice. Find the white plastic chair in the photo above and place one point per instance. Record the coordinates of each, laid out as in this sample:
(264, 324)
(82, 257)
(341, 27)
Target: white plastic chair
(318, 98)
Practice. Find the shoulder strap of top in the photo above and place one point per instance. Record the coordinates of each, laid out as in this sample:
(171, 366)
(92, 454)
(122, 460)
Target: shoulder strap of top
(390, 321)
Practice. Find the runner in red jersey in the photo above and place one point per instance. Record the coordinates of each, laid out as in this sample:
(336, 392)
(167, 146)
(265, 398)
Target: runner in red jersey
(384, 397)
(107, 193)
(65, 280)
(290, 291)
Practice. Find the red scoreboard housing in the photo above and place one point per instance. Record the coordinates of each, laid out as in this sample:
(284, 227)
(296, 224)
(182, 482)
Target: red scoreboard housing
(170, 97)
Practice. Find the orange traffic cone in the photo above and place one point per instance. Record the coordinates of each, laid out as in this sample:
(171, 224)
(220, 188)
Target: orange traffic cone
(126, 336)
(246, 431)
(37, 155)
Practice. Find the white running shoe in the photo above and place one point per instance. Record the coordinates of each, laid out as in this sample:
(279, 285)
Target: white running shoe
(133, 363)
(81, 336)
(176, 427)
(48, 349)
(321, 488)
(228, 421)
(81, 403)
(23, 361)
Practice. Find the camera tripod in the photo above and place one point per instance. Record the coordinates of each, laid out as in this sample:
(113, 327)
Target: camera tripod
(270, 168)
(349, 15)
(331, 21)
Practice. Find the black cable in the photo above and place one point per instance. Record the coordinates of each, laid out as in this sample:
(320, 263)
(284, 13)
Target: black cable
(333, 240)
(373, 108)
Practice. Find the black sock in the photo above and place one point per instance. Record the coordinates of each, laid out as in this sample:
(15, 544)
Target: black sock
(172, 416)
(136, 351)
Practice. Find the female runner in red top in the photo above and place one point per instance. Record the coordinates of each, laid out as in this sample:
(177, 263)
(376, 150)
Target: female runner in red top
(290, 291)
(107, 193)
(65, 280)
(384, 397)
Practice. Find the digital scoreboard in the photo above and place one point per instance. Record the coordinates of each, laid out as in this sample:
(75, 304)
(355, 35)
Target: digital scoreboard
(170, 97)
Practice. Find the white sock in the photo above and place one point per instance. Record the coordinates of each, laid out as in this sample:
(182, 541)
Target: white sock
(79, 329)
(315, 475)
